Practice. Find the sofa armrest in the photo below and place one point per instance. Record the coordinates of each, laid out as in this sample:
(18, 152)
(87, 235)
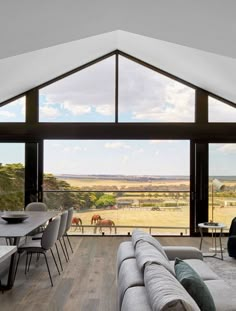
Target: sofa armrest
(182, 252)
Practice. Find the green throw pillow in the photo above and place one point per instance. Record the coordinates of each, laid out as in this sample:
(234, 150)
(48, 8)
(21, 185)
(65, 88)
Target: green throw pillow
(194, 285)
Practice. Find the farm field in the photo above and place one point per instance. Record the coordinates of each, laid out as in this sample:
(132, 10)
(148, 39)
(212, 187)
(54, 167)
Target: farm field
(76, 182)
(140, 216)
(147, 218)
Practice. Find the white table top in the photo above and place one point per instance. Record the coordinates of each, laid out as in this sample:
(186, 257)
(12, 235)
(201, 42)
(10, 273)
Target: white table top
(218, 226)
(6, 251)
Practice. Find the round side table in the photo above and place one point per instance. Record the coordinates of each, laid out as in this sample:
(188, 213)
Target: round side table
(214, 228)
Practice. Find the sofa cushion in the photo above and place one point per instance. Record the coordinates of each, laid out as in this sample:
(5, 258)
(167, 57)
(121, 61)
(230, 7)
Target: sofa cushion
(165, 292)
(146, 253)
(194, 285)
(136, 299)
(129, 276)
(125, 251)
(138, 235)
(223, 295)
(202, 269)
(182, 252)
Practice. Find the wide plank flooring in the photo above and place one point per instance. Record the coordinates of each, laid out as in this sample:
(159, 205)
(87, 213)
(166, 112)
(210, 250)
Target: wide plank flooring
(88, 281)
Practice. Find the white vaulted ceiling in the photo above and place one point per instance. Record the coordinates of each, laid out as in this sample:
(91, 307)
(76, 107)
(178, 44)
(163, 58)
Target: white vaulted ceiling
(194, 40)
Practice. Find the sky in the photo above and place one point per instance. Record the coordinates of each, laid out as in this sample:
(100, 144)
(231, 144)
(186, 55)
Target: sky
(144, 96)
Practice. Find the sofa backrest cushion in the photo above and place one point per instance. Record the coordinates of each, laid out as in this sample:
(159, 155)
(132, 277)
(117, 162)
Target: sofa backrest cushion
(194, 285)
(138, 235)
(165, 292)
(145, 253)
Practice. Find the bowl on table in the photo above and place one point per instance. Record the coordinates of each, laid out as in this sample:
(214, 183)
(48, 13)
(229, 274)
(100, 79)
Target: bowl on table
(14, 218)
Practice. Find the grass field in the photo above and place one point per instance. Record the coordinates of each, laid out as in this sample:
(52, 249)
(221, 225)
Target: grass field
(141, 217)
(147, 218)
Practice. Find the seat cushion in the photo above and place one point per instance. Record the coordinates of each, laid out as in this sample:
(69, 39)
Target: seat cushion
(223, 295)
(194, 285)
(136, 299)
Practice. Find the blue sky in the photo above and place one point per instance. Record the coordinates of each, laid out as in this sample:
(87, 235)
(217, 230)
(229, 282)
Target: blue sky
(144, 96)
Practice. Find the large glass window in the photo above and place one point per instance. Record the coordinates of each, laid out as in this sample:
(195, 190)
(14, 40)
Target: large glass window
(220, 112)
(142, 183)
(13, 112)
(86, 96)
(222, 182)
(147, 96)
(12, 176)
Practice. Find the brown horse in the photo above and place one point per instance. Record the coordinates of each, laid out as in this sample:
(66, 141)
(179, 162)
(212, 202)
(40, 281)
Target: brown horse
(104, 223)
(77, 222)
(95, 219)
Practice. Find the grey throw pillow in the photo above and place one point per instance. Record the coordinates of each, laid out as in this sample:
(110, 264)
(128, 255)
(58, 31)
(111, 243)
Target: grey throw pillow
(194, 285)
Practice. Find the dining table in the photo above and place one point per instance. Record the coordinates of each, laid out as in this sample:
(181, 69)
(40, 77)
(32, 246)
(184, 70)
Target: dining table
(13, 232)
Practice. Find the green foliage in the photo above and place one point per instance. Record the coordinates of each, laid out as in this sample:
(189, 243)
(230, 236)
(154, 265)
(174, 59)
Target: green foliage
(11, 186)
(105, 200)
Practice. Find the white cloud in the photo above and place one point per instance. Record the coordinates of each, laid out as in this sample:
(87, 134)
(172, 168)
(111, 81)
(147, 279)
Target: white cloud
(75, 109)
(150, 96)
(125, 159)
(91, 89)
(220, 112)
(105, 110)
(117, 145)
(7, 114)
(49, 112)
(228, 148)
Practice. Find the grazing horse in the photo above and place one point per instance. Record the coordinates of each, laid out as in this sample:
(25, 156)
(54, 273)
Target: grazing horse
(95, 219)
(77, 222)
(104, 223)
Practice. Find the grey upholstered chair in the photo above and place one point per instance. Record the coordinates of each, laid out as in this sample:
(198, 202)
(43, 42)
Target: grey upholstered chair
(36, 207)
(68, 224)
(60, 238)
(48, 240)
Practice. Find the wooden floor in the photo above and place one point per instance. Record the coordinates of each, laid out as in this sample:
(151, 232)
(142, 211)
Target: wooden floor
(88, 281)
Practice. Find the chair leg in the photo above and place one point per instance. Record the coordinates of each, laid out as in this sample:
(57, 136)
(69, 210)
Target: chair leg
(67, 254)
(63, 250)
(29, 262)
(49, 273)
(26, 262)
(59, 256)
(69, 242)
(55, 261)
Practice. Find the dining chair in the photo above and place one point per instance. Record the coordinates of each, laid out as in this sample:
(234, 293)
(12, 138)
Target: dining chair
(68, 225)
(61, 232)
(36, 207)
(48, 240)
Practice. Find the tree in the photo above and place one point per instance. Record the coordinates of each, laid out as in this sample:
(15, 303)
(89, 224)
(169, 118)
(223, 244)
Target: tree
(105, 200)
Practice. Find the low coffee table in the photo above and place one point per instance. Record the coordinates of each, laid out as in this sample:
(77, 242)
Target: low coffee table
(214, 228)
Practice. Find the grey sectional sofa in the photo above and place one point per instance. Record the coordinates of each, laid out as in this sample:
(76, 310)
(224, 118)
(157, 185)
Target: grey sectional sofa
(146, 277)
